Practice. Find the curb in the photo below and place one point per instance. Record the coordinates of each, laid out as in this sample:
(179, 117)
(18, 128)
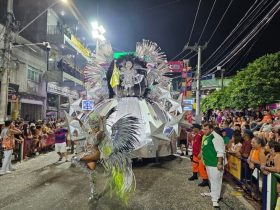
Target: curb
(240, 198)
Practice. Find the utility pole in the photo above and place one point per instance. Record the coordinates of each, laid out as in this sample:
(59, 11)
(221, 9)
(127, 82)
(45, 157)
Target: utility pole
(198, 49)
(219, 68)
(6, 61)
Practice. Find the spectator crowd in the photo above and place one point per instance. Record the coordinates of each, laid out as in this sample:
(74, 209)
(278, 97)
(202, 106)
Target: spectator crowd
(252, 136)
(21, 139)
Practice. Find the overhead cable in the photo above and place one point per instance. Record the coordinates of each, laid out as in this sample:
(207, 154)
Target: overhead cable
(230, 38)
(220, 22)
(206, 21)
(184, 49)
(250, 36)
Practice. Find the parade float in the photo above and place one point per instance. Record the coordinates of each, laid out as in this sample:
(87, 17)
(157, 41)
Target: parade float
(128, 112)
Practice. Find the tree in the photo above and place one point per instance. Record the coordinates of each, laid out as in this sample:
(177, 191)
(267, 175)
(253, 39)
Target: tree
(256, 85)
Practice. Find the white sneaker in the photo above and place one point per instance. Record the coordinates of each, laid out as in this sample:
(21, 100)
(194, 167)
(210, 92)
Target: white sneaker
(8, 172)
(216, 204)
(206, 194)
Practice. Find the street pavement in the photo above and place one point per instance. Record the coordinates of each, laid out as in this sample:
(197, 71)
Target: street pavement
(43, 183)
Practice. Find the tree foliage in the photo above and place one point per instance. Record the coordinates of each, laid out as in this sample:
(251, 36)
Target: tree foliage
(256, 85)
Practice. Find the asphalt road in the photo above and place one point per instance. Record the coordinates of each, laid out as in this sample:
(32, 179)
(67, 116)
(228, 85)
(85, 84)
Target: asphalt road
(42, 183)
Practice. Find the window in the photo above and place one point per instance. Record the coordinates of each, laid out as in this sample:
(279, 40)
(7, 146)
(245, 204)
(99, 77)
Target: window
(33, 74)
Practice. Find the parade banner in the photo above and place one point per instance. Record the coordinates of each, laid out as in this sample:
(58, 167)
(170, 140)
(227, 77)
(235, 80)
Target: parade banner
(176, 66)
(234, 166)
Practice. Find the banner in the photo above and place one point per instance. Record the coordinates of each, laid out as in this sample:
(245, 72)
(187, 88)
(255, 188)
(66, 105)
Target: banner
(176, 66)
(234, 166)
(77, 45)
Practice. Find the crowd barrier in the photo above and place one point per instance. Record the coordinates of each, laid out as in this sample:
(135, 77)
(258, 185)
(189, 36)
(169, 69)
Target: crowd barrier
(26, 148)
(254, 182)
(46, 143)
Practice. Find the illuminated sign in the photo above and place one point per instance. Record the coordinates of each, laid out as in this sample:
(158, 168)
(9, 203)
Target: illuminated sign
(87, 105)
(77, 45)
(117, 55)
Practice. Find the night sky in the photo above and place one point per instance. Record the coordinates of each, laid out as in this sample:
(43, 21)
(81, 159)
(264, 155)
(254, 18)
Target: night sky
(169, 23)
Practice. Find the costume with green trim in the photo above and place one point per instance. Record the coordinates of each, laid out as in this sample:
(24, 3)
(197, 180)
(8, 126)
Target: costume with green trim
(209, 153)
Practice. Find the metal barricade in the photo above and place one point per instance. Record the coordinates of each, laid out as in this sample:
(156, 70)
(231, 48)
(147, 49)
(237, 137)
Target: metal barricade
(249, 179)
(46, 144)
(257, 185)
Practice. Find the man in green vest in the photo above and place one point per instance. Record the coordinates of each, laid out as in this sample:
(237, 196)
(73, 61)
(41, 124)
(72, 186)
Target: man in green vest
(213, 152)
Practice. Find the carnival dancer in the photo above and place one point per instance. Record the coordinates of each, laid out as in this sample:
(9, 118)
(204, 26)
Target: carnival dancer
(213, 152)
(197, 163)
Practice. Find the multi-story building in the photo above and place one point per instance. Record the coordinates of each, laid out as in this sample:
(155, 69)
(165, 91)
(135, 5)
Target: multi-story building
(27, 88)
(55, 75)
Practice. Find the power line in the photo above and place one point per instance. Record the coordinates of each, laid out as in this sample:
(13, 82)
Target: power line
(192, 56)
(186, 43)
(250, 36)
(194, 22)
(220, 22)
(186, 55)
(178, 54)
(233, 31)
(206, 21)
(255, 31)
(232, 40)
(247, 52)
(189, 57)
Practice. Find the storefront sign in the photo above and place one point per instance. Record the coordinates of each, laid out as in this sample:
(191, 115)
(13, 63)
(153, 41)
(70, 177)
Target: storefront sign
(53, 88)
(234, 166)
(77, 45)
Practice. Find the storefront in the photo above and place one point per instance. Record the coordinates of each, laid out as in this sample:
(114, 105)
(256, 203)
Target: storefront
(32, 107)
(58, 98)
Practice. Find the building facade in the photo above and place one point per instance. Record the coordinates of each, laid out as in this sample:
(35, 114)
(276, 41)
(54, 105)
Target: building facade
(45, 80)
(27, 88)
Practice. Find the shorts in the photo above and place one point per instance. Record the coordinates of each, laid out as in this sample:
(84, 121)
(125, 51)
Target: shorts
(182, 142)
(60, 147)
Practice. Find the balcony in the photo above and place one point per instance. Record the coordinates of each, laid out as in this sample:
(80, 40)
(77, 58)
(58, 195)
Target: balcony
(67, 68)
(55, 35)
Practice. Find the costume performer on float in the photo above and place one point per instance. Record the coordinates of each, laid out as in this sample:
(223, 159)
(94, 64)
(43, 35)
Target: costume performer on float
(120, 125)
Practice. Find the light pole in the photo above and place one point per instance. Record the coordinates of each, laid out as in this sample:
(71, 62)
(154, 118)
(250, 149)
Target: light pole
(98, 34)
(219, 68)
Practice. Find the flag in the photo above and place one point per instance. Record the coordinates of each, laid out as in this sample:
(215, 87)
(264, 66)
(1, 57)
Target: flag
(115, 79)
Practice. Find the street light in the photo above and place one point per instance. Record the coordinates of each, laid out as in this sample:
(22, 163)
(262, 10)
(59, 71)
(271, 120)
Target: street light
(98, 33)
(52, 5)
